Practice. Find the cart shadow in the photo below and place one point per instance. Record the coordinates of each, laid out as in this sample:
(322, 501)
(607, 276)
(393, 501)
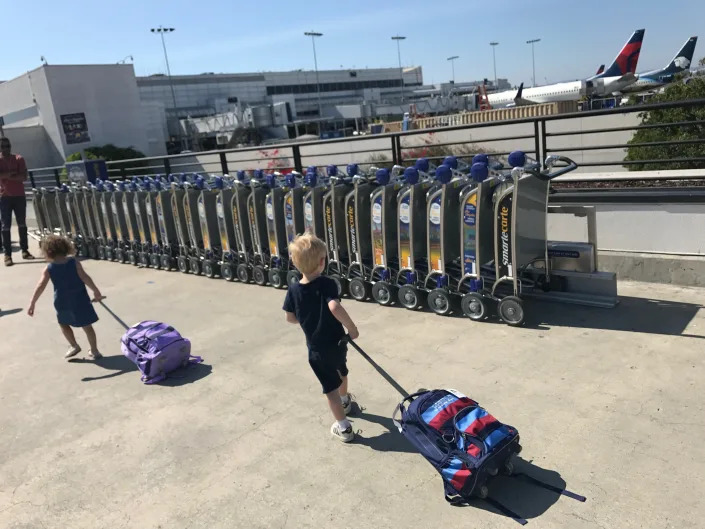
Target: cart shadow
(9, 312)
(518, 494)
(643, 315)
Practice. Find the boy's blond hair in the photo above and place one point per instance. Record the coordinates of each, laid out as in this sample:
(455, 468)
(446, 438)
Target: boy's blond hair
(306, 251)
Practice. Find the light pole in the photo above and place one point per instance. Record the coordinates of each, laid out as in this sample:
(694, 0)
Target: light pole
(399, 38)
(533, 60)
(122, 61)
(161, 30)
(313, 35)
(494, 62)
(452, 64)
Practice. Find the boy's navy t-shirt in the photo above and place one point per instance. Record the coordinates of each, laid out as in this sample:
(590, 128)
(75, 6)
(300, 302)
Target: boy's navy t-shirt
(309, 302)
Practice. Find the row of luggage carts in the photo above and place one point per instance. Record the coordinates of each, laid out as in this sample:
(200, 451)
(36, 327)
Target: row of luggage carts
(464, 236)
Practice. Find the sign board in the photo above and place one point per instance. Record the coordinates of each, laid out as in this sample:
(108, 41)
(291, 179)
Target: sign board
(86, 171)
(75, 128)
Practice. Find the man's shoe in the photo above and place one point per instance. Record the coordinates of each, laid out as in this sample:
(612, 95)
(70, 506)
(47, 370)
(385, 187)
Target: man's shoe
(346, 435)
(8, 260)
(26, 255)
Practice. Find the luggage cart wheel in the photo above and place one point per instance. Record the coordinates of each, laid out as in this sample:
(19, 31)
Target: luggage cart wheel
(493, 471)
(293, 277)
(511, 311)
(227, 272)
(83, 251)
(109, 255)
(195, 265)
(166, 262)
(182, 263)
(276, 278)
(473, 306)
(359, 289)
(208, 269)
(243, 273)
(101, 253)
(482, 492)
(120, 255)
(144, 259)
(342, 284)
(439, 302)
(410, 297)
(383, 293)
(508, 469)
(92, 252)
(132, 257)
(259, 276)
(154, 261)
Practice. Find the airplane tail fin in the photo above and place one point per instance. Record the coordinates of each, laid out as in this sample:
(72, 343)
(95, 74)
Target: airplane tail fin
(684, 57)
(600, 69)
(628, 58)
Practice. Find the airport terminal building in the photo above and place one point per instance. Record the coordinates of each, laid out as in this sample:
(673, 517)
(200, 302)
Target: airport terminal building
(56, 110)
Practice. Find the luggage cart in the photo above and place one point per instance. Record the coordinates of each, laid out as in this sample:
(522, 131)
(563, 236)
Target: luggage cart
(241, 227)
(411, 237)
(144, 233)
(134, 245)
(154, 232)
(104, 207)
(278, 222)
(166, 223)
(316, 188)
(256, 207)
(43, 226)
(334, 225)
(383, 224)
(181, 222)
(443, 235)
(212, 254)
(190, 209)
(78, 221)
(94, 199)
(122, 223)
(298, 212)
(520, 235)
(226, 229)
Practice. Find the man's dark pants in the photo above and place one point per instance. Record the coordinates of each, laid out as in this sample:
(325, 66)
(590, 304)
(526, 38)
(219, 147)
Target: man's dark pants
(19, 206)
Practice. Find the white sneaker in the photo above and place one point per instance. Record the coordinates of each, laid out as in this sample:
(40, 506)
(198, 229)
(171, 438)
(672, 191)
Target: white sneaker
(72, 352)
(347, 403)
(94, 355)
(346, 435)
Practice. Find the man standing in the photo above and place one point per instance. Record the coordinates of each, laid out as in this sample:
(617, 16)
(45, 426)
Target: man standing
(13, 173)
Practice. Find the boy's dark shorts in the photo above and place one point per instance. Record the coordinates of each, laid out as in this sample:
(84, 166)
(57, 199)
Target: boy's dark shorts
(329, 366)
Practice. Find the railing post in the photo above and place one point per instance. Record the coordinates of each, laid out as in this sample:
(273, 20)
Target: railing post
(296, 153)
(223, 163)
(544, 147)
(57, 178)
(537, 141)
(167, 167)
(123, 173)
(395, 152)
(31, 179)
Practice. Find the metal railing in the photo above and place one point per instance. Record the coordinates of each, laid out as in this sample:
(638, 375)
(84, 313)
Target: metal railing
(537, 136)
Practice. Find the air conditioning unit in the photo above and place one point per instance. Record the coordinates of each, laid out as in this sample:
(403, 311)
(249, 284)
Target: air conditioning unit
(222, 139)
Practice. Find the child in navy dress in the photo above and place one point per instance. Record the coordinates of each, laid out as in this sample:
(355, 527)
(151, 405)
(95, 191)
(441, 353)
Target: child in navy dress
(71, 300)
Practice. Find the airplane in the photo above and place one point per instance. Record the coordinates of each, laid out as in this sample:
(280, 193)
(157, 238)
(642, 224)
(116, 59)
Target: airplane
(600, 69)
(622, 71)
(658, 78)
(624, 65)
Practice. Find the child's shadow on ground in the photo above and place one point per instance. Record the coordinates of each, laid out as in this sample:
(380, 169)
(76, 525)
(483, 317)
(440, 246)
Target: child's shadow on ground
(389, 441)
(119, 365)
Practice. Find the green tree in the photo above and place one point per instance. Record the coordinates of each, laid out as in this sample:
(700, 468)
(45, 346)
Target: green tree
(111, 153)
(695, 133)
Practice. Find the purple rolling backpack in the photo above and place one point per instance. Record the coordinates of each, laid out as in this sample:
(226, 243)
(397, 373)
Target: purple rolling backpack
(156, 349)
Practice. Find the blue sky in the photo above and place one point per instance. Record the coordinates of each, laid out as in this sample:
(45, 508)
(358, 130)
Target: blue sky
(237, 36)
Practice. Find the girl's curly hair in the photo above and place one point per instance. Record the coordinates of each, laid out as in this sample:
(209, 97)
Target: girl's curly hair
(57, 246)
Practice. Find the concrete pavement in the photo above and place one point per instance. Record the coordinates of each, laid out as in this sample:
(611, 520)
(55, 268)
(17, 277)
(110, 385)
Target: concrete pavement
(607, 401)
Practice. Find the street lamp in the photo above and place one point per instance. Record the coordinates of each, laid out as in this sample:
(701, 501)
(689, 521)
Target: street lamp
(313, 35)
(399, 38)
(533, 60)
(452, 64)
(161, 30)
(122, 61)
(494, 62)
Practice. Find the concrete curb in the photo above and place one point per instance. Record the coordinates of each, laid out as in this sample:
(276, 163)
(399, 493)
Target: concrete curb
(654, 268)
